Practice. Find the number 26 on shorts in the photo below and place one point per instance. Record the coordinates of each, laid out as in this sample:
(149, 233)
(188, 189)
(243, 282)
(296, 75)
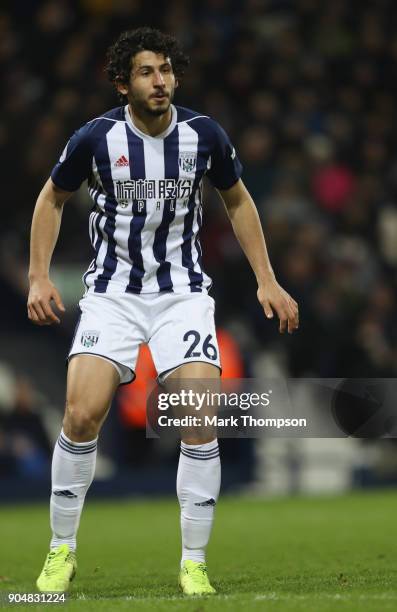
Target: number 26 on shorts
(208, 349)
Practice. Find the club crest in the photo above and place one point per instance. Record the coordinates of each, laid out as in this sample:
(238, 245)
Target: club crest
(89, 338)
(187, 161)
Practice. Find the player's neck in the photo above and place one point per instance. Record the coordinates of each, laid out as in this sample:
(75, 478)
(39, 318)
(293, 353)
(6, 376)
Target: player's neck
(153, 126)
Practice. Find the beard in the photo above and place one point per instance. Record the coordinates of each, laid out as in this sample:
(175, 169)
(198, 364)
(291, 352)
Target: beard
(157, 112)
(143, 106)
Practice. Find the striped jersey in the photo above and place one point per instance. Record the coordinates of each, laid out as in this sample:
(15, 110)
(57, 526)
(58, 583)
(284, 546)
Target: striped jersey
(147, 198)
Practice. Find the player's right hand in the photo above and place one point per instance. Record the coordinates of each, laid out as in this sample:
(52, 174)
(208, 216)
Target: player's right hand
(40, 309)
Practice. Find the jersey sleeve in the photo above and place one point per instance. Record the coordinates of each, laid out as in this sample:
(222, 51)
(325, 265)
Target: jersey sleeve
(226, 168)
(75, 163)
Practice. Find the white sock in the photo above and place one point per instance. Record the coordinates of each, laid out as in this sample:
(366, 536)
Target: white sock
(73, 468)
(198, 483)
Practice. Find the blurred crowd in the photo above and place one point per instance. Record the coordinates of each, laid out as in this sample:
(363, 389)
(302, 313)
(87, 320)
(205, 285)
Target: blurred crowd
(306, 90)
(25, 437)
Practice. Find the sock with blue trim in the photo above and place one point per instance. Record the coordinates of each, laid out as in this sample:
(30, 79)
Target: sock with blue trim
(198, 484)
(73, 468)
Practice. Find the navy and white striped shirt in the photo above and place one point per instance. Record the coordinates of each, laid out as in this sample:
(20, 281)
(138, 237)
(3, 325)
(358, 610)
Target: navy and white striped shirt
(147, 193)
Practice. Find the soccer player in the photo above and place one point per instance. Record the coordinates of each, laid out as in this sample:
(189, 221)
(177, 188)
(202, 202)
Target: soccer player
(144, 163)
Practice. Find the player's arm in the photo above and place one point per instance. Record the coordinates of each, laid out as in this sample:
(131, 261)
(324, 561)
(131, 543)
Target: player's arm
(248, 230)
(44, 234)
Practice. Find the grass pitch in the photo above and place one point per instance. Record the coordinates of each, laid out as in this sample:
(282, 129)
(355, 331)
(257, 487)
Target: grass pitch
(301, 555)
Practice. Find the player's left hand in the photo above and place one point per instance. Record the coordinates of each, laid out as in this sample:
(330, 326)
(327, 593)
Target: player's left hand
(273, 297)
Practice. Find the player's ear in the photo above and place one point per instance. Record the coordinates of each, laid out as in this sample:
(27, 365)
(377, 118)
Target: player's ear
(121, 87)
(176, 83)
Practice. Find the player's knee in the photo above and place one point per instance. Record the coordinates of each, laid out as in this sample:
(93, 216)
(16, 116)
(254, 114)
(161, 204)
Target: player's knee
(79, 423)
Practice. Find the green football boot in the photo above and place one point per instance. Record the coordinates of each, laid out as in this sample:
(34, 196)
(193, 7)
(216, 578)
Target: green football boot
(193, 579)
(59, 570)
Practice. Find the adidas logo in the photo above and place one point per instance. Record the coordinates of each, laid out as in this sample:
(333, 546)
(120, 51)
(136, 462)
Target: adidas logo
(65, 493)
(209, 502)
(122, 161)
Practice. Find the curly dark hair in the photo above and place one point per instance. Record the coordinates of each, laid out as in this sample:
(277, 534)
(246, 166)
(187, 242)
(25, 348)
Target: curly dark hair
(131, 42)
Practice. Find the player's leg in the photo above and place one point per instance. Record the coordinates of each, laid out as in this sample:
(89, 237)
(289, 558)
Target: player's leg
(103, 355)
(198, 484)
(91, 384)
(184, 346)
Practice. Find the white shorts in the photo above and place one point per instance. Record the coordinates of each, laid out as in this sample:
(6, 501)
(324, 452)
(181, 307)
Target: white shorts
(179, 328)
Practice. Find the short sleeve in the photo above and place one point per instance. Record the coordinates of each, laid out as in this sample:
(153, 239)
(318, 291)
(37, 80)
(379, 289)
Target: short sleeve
(75, 163)
(226, 168)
